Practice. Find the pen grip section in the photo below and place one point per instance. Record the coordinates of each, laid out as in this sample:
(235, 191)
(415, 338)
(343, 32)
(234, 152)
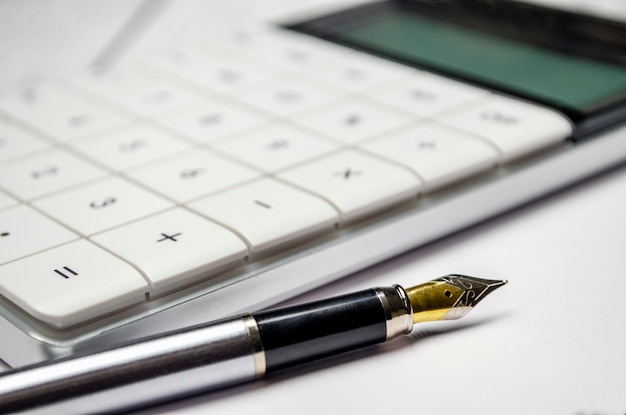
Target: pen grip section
(302, 333)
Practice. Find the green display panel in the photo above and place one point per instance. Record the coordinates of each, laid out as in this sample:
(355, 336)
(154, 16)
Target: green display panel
(567, 81)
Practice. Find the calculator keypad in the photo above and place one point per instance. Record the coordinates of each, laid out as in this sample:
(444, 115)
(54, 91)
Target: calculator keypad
(182, 162)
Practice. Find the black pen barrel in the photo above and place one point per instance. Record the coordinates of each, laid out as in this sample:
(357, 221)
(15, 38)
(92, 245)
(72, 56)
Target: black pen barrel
(299, 334)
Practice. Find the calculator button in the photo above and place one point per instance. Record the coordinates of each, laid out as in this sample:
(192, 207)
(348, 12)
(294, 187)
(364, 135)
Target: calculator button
(224, 76)
(71, 284)
(245, 39)
(353, 120)
(267, 213)
(288, 95)
(356, 72)
(275, 148)
(130, 146)
(516, 128)
(439, 154)
(219, 72)
(174, 248)
(45, 173)
(425, 94)
(134, 90)
(15, 142)
(354, 182)
(192, 174)
(57, 113)
(295, 51)
(6, 201)
(24, 231)
(101, 205)
(211, 119)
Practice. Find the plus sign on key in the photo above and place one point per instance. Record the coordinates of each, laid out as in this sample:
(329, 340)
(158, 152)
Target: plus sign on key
(170, 247)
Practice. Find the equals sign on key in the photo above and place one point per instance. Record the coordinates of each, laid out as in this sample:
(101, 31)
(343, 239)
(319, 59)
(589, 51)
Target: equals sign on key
(68, 270)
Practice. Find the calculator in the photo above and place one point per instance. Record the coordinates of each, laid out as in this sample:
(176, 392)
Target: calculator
(242, 164)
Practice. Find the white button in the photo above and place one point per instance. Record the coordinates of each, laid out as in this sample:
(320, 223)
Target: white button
(224, 76)
(275, 148)
(15, 142)
(45, 173)
(440, 155)
(356, 71)
(135, 90)
(293, 50)
(192, 175)
(244, 39)
(267, 213)
(220, 72)
(130, 146)
(211, 119)
(172, 247)
(425, 94)
(352, 120)
(59, 114)
(71, 284)
(515, 127)
(24, 231)
(355, 183)
(102, 205)
(6, 201)
(288, 95)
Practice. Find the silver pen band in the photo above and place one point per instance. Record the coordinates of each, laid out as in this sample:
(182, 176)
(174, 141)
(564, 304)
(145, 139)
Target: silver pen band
(398, 310)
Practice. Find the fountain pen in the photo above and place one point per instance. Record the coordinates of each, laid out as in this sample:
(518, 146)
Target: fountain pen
(233, 350)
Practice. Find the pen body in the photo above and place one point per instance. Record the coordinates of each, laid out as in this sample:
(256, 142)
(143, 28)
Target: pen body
(206, 357)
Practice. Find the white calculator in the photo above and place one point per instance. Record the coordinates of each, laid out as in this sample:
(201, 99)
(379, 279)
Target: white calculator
(243, 164)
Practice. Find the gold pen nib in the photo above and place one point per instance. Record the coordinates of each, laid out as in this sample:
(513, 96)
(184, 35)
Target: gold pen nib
(450, 297)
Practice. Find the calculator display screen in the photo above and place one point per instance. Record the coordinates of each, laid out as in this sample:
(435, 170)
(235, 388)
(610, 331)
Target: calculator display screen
(577, 66)
(568, 80)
